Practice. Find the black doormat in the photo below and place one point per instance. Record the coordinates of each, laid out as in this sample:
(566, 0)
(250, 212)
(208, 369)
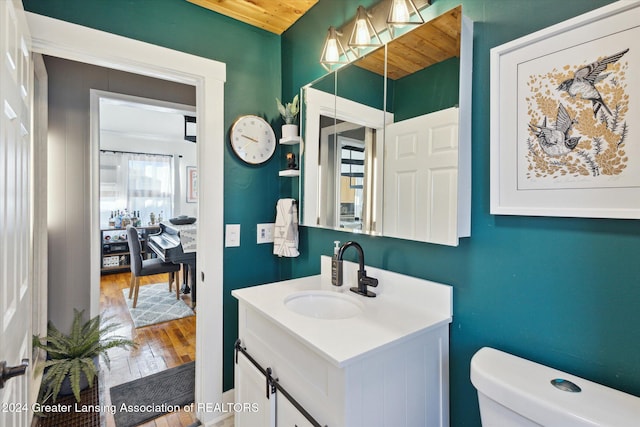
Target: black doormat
(149, 397)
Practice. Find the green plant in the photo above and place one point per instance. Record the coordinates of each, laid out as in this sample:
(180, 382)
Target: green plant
(288, 111)
(70, 356)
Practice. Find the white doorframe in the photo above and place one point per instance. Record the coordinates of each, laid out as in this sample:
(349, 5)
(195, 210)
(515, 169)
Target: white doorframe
(40, 238)
(70, 41)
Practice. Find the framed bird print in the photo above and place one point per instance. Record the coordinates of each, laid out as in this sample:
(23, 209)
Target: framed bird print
(565, 118)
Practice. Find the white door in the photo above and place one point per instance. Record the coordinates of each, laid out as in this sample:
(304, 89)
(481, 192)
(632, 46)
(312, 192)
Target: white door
(250, 387)
(288, 415)
(15, 210)
(420, 178)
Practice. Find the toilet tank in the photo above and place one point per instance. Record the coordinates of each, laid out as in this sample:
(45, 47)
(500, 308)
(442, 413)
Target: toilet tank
(517, 392)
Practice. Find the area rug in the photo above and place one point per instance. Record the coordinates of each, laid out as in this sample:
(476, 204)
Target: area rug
(149, 397)
(156, 304)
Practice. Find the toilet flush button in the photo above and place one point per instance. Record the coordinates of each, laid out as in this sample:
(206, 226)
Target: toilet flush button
(565, 385)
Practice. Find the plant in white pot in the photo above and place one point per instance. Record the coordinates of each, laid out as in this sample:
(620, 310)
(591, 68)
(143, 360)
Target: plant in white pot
(72, 360)
(289, 112)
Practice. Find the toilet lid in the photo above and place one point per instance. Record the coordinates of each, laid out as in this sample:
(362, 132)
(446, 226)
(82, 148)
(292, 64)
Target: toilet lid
(526, 388)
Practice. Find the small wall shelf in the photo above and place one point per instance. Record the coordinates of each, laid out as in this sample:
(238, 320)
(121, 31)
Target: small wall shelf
(290, 172)
(291, 140)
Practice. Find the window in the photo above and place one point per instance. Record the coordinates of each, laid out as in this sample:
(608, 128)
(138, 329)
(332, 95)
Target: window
(136, 183)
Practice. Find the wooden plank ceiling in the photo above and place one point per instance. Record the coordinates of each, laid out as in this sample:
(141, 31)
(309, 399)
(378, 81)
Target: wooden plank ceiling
(271, 15)
(427, 44)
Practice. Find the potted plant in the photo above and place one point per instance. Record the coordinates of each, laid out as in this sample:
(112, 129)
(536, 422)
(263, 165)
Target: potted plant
(72, 360)
(289, 112)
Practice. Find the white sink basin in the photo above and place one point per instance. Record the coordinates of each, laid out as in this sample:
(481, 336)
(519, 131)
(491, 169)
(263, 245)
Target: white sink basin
(323, 304)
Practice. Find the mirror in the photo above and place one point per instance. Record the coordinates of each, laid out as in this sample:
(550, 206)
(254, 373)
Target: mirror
(340, 169)
(384, 152)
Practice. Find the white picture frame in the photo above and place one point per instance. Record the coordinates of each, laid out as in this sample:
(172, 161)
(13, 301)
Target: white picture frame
(590, 168)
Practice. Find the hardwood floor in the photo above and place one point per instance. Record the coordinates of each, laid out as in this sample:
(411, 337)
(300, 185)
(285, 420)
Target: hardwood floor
(161, 346)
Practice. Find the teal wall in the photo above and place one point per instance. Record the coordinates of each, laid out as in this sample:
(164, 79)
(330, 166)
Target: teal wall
(562, 291)
(253, 61)
(439, 88)
(361, 86)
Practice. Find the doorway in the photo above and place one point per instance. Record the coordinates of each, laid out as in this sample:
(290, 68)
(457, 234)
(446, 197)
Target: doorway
(65, 40)
(144, 155)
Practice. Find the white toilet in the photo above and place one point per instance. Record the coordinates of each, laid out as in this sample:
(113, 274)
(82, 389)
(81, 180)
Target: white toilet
(517, 392)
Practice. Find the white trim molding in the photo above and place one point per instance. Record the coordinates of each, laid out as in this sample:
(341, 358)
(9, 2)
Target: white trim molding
(74, 42)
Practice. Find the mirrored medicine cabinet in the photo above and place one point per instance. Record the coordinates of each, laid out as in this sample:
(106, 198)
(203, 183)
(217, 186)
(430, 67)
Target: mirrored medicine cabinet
(388, 140)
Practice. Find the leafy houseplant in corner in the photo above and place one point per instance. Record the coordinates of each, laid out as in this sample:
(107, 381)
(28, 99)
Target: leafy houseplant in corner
(289, 112)
(73, 358)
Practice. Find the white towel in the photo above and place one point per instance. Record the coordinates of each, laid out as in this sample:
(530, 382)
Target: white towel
(285, 238)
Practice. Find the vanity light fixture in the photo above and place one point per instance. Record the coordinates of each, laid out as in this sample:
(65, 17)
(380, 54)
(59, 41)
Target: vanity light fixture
(369, 29)
(333, 53)
(400, 14)
(364, 34)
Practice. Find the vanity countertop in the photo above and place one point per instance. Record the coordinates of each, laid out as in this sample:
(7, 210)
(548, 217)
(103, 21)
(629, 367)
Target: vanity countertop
(403, 308)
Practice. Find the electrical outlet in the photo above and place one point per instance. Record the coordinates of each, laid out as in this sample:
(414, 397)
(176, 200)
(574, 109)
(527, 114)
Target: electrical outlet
(265, 233)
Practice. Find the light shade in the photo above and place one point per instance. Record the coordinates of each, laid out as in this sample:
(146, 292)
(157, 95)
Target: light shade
(400, 14)
(332, 52)
(363, 33)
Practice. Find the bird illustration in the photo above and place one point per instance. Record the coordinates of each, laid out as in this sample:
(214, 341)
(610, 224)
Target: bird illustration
(556, 141)
(585, 78)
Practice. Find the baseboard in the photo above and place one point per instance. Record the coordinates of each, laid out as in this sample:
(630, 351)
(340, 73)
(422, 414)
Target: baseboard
(226, 419)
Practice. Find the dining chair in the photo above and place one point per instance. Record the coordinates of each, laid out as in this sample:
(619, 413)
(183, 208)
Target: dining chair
(147, 267)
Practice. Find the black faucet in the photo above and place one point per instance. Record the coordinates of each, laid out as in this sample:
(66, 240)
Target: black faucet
(363, 279)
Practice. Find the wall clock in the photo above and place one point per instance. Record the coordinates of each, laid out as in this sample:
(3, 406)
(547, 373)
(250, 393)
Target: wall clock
(252, 139)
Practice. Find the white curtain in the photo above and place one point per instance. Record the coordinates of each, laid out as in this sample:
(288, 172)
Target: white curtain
(135, 182)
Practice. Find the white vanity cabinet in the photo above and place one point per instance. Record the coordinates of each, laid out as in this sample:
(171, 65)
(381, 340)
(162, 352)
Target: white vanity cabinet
(387, 366)
(403, 385)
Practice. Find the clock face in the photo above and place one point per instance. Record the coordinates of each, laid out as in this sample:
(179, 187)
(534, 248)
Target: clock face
(253, 139)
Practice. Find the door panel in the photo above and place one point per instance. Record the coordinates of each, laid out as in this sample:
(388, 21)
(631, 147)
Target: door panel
(420, 171)
(15, 210)
(288, 415)
(250, 388)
